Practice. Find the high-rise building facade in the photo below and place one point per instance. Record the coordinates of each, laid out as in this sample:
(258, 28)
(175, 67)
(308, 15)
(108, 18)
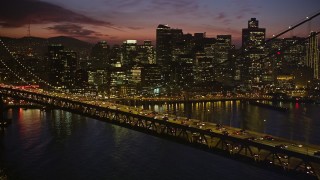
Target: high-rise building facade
(312, 58)
(222, 57)
(100, 55)
(167, 39)
(129, 52)
(146, 53)
(255, 66)
(69, 59)
(63, 65)
(253, 37)
(99, 79)
(55, 68)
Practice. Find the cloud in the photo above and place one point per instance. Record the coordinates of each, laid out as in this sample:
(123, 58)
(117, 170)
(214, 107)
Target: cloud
(177, 6)
(239, 16)
(246, 8)
(17, 13)
(73, 30)
(145, 7)
(221, 30)
(134, 28)
(221, 16)
(128, 3)
(244, 12)
(77, 31)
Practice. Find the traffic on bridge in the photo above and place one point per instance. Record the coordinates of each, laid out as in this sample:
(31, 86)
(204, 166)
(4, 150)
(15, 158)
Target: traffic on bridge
(258, 147)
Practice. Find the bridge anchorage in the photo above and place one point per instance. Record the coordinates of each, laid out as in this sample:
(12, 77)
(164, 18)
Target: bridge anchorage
(258, 149)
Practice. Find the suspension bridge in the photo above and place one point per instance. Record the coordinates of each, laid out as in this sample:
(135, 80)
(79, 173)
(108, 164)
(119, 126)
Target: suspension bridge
(257, 148)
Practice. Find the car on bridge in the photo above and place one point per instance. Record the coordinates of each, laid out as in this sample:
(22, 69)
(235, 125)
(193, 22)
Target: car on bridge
(165, 118)
(282, 146)
(226, 133)
(270, 138)
(251, 138)
(297, 145)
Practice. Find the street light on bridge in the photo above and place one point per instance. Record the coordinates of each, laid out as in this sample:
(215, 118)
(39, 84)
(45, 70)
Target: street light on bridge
(264, 126)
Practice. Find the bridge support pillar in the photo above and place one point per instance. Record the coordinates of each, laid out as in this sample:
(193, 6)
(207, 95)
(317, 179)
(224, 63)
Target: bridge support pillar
(3, 120)
(1, 109)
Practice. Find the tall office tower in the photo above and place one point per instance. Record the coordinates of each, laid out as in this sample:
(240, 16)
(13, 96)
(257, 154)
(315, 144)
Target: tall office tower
(100, 55)
(151, 79)
(81, 79)
(63, 65)
(129, 52)
(203, 69)
(167, 50)
(134, 81)
(99, 79)
(222, 56)
(188, 45)
(312, 59)
(115, 56)
(199, 42)
(69, 58)
(167, 40)
(118, 82)
(253, 39)
(278, 56)
(55, 67)
(146, 53)
(293, 56)
(222, 48)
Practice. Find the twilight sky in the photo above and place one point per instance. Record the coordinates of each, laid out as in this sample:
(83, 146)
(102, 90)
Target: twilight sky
(118, 20)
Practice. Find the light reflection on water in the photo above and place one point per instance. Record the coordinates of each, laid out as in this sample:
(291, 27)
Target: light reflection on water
(300, 123)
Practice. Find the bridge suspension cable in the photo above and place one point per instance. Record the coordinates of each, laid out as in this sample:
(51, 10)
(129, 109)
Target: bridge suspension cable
(242, 53)
(291, 28)
(24, 67)
(300, 41)
(15, 74)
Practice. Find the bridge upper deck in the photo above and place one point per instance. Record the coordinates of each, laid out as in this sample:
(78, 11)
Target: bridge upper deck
(196, 131)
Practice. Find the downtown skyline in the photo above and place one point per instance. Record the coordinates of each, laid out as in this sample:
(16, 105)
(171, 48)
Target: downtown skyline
(119, 20)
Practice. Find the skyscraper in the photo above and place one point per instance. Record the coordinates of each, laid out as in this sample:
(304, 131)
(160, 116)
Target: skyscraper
(253, 39)
(69, 60)
(167, 39)
(146, 53)
(312, 59)
(222, 56)
(129, 52)
(63, 65)
(100, 55)
(55, 70)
